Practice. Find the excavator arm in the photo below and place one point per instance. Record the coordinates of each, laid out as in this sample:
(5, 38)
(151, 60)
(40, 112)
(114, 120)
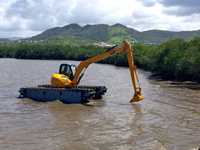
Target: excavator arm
(124, 48)
(84, 64)
(133, 71)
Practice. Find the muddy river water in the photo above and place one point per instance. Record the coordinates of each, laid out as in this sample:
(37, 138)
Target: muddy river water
(168, 118)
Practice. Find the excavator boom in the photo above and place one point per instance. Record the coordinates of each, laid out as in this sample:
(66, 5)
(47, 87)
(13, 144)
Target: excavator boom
(84, 64)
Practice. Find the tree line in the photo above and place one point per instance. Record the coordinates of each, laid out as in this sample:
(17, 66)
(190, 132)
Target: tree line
(175, 59)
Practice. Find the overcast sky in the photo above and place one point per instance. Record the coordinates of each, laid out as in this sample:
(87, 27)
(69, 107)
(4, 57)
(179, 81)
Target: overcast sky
(28, 17)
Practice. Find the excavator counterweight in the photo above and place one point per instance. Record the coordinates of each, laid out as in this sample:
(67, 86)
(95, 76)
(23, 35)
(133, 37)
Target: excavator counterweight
(65, 84)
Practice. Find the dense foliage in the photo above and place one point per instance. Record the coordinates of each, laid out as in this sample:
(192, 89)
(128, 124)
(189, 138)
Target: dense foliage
(176, 59)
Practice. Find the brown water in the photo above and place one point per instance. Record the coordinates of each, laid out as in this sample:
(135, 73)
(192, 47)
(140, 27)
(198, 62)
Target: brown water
(168, 118)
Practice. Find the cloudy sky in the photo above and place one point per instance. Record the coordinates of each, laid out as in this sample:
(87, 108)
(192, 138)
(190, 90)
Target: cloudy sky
(28, 17)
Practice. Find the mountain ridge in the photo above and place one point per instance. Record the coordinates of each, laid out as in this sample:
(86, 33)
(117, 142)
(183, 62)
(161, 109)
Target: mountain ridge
(112, 33)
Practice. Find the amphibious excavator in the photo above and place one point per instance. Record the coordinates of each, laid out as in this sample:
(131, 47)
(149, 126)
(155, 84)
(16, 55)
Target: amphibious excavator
(65, 84)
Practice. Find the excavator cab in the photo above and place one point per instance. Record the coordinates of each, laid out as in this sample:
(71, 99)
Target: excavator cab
(64, 77)
(67, 70)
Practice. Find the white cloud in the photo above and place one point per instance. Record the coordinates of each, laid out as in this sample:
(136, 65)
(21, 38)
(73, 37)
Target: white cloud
(28, 17)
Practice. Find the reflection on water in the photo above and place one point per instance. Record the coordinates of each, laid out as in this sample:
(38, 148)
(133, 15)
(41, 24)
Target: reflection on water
(168, 118)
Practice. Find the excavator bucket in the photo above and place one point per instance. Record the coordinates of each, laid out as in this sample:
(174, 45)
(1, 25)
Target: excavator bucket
(137, 97)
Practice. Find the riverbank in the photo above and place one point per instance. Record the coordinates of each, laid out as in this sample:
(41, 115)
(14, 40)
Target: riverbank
(173, 60)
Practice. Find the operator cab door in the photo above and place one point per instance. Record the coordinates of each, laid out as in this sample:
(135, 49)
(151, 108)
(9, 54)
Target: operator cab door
(68, 70)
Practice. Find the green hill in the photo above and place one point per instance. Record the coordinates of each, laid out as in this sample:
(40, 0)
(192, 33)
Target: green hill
(111, 34)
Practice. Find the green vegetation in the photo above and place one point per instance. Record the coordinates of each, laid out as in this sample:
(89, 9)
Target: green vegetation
(118, 33)
(175, 59)
(112, 33)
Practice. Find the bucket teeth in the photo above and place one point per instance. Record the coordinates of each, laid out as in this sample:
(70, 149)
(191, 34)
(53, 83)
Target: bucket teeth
(137, 98)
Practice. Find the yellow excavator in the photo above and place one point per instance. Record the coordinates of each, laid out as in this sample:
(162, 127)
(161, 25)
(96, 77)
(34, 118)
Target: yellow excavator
(70, 76)
(65, 84)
